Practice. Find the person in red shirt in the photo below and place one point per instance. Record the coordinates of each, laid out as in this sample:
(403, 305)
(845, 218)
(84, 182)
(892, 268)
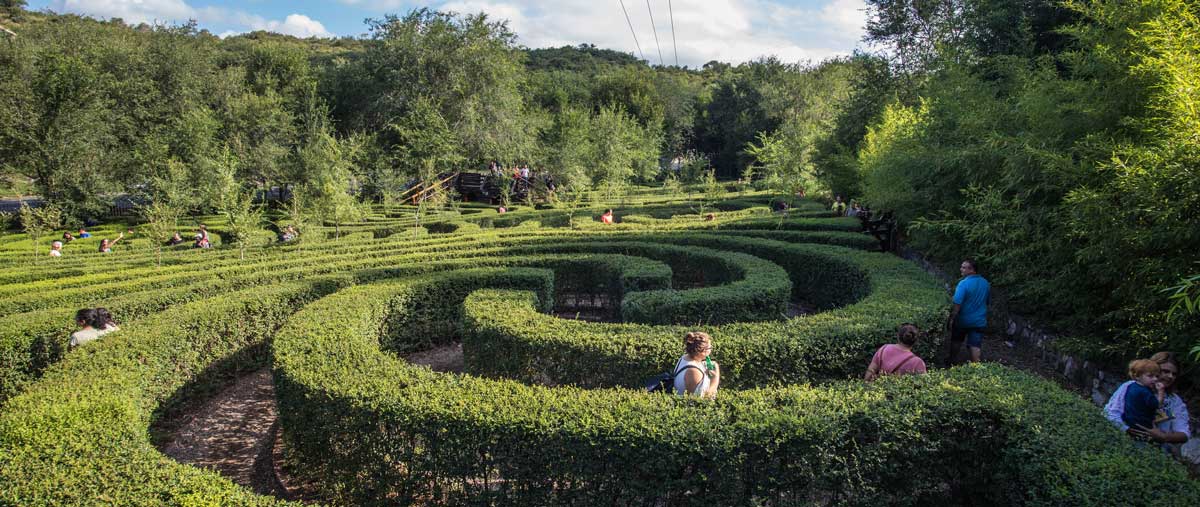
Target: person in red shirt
(897, 358)
(607, 217)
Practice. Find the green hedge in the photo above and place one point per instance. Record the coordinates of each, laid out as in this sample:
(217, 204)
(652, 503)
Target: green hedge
(881, 292)
(79, 436)
(31, 341)
(749, 289)
(983, 433)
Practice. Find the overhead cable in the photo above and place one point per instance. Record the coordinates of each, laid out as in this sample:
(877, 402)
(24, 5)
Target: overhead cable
(655, 28)
(673, 43)
(635, 41)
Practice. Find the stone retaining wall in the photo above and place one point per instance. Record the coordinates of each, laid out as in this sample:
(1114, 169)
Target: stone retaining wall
(1021, 332)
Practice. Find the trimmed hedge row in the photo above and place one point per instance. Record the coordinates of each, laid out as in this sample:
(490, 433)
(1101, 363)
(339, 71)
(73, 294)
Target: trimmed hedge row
(150, 278)
(742, 287)
(175, 286)
(846, 239)
(79, 436)
(372, 430)
(32, 341)
(879, 292)
(61, 442)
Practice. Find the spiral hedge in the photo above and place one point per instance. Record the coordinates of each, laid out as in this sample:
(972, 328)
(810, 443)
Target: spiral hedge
(550, 410)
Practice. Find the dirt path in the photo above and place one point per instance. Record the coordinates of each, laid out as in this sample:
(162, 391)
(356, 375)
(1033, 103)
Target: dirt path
(230, 433)
(234, 432)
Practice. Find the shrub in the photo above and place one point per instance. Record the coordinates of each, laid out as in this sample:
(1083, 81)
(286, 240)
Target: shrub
(465, 439)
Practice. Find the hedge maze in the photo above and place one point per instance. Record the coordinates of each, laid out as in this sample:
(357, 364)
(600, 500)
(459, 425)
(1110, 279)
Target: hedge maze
(550, 410)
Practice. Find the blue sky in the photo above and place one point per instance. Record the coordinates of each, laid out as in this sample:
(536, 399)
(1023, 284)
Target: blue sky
(726, 30)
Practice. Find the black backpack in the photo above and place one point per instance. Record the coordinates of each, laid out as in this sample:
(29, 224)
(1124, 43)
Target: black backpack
(665, 382)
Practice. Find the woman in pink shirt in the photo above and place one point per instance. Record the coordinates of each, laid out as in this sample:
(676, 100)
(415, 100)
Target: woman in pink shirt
(897, 358)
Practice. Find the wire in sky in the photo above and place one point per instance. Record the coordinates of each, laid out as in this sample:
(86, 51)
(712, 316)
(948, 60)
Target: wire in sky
(673, 43)
(635, 41)
(655, 28)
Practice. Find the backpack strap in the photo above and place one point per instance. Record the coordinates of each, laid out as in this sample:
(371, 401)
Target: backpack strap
(681, 370)
(902, 363)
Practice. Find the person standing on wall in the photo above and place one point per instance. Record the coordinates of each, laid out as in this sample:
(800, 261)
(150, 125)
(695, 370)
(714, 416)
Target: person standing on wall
(968, 316)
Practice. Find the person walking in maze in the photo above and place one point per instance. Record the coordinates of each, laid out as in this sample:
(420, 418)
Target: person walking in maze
(1172, 424)
(103, 320)
(607, 217)
(695, 373)
(897, 358)
(56, 249)
(93, 323)
(839, 206)
(968, 316)
(86, 333)
(106, 245)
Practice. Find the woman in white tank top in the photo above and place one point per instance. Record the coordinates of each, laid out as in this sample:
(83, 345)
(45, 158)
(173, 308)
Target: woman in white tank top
(692, 375)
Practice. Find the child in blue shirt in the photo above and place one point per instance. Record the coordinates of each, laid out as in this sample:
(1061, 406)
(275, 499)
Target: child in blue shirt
(1144, 396)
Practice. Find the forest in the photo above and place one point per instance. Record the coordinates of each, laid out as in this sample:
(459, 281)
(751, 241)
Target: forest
(1055, 142)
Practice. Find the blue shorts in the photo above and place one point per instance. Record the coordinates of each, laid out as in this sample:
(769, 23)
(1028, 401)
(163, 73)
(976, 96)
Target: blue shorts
(973, 336)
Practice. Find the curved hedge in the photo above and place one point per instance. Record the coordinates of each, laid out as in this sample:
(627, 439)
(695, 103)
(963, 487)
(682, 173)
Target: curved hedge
(421, 436)
(63, 439)
(878, 291)
(31, 340)
(79, 435)
(377, 431)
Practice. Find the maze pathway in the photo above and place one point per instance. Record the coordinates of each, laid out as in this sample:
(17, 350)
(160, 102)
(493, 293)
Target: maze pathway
(231, 433)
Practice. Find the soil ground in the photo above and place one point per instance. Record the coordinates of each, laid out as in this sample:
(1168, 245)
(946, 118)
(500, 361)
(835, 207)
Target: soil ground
(234, 433)
(229, 433)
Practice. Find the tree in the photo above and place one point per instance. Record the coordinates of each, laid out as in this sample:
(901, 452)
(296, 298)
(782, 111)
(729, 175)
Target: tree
(424, 144)
(575, 197)
(298, 212)
(714, 191)
(54, 128)
(672, 187)
(467, 66)
(567, 144)
(162, 221)
(730, 118)
(243, 217)
(620, 148)
(326, 162)
(39, 221)
(12, 8)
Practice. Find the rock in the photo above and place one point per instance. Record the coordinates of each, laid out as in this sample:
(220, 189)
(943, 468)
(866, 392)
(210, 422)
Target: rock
(1069, 367)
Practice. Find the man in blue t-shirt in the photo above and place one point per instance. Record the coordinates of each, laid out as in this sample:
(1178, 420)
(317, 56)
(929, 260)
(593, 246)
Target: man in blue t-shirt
(969, 315)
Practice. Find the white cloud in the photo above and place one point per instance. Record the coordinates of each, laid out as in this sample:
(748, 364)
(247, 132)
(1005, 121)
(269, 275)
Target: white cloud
(178, 11)
(132, 11)
(725, 30)
(298, 25)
